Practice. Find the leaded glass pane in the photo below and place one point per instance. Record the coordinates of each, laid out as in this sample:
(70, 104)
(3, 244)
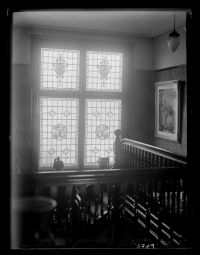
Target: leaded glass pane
(58, 131)
(104, 71)
(59, 69)
(103, 117)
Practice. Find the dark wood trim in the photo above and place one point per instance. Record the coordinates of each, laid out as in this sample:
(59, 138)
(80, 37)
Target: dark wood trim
(102, 176)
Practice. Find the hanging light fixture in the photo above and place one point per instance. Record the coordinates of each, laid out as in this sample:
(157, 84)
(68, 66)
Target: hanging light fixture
(173, 39)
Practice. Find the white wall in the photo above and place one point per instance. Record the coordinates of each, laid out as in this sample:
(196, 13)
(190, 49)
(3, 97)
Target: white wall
(143, 54)
(147, 54)
(163, 57)
(141, 49)
(21, 46)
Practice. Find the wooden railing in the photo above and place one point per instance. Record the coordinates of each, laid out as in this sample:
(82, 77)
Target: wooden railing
(160, 199)
(134, 154)
(152, 185)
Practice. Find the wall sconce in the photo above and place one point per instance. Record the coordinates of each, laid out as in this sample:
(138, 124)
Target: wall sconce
(173, 39)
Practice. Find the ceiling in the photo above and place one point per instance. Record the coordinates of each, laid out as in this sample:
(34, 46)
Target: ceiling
(144, 23)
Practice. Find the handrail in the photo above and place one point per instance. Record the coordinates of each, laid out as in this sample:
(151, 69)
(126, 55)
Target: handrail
(155, 150)
(103, 175)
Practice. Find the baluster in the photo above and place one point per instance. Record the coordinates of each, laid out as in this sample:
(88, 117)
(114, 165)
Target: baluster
(155, 192)
(144, 192)
(142, 158)
(109, 205)
(134, 188)
(173, 163)
(165, 162)
(178, 198)
(76, 213)
(124, 155)
(68, 211)
(168, 162)
(121, 155)
(150, 193)
(147, 216)
(136, 205)
(159, 224)
(147, 159)
(168, 196)
(184, 200)
(122, 211)
(109, 221)
(153, 196)
(162, 198)
(140, 193)
(162, 161)
(159, 161)
(101, 202)
(89, 211)
(128, 156)
(156, 161)
(137, 158)
(96, 213)
(173, 197)
(181, 197)
(67, 224)
(153, 160)
(132, 156)
(54, 220)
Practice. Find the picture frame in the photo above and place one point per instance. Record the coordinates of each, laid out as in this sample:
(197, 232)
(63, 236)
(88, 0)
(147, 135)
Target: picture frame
(167, 110)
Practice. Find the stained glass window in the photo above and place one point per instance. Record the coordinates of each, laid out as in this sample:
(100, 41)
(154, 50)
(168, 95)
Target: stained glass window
(58, 131)
(103, 117)
(59, 69)
(104, 71)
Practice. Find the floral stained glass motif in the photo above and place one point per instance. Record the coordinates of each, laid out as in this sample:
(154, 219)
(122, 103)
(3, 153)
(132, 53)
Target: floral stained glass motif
(104, 71)
(58, 133)
(60, 66)
(59, 69)
(99, 131)
(102, 131)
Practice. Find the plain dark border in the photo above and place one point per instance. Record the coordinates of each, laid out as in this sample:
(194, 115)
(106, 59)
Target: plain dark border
(6, 25)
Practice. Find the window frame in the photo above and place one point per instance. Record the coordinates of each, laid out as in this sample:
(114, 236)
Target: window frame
(82, 94)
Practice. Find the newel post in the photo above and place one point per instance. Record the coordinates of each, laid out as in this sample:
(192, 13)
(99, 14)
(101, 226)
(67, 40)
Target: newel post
(117, 148)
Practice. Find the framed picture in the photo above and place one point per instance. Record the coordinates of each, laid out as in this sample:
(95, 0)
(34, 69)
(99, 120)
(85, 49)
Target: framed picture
(167, 100)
